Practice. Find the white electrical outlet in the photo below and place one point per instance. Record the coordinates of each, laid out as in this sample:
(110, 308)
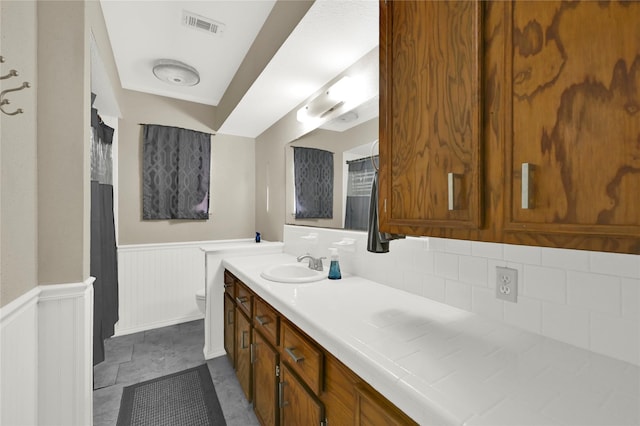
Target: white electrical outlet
(507, 284)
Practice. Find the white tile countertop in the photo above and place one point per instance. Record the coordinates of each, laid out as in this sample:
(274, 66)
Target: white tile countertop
(442, 365)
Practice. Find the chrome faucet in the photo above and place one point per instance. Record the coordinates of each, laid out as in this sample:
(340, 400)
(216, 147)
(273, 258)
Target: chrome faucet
(314, 263)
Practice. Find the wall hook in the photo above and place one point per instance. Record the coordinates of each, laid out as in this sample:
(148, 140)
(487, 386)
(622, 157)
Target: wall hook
(3, 101)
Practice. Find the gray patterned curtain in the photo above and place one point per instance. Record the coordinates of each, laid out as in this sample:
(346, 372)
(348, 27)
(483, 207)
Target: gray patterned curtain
(175, 173)
(313, 175)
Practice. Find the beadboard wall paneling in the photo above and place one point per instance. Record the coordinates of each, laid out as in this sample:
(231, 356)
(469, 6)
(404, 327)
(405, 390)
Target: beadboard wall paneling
(65, 354)
(19, 360)
(157, 285)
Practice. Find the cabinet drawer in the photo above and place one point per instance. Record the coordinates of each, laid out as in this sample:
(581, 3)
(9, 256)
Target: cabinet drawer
(266, 321)
(302, 356)
(229, 283)
(243, 298)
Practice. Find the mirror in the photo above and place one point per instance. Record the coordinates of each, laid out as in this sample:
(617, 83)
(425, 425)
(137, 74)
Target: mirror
(349, 137)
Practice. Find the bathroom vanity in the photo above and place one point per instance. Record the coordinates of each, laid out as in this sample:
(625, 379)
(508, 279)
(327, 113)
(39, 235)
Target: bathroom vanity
(287, 375)
(353, 351)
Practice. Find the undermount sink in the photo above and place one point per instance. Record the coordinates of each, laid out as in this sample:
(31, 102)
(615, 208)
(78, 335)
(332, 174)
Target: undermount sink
(292, 273)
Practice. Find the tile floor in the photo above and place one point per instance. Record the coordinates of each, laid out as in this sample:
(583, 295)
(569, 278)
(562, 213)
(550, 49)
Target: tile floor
(146, 355)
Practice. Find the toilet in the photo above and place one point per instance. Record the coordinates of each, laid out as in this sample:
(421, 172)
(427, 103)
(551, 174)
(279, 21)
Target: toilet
(201, 300)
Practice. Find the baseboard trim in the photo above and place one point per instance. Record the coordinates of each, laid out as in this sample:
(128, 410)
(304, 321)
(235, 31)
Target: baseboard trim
(215, 354)
(154, 325)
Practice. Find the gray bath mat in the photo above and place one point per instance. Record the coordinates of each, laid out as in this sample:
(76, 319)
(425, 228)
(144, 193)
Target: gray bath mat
(186, 398)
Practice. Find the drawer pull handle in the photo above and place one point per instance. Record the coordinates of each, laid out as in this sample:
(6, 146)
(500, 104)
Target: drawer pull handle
(229, 317)
(243, 344)
(527, 192)
(261, 320)
(241, 300)
(281, 400)
(228, 285)
(293, 356)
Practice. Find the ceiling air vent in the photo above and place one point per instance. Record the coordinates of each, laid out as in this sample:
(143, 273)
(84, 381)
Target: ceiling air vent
(197, 22)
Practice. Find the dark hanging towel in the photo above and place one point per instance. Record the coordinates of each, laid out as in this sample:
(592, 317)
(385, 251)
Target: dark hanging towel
(377, 242)
(103, 259)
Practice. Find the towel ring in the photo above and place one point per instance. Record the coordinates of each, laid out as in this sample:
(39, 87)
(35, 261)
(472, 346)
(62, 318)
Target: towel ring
(373, 163)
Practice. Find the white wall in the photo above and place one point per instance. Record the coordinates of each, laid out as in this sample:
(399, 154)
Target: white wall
(587, 299)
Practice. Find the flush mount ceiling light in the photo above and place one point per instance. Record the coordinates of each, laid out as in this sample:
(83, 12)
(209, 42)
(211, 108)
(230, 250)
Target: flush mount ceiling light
(175, 72)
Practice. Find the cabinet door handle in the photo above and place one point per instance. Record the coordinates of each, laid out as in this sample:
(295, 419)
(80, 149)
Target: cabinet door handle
(281, 400)
(451, 190)
(251, 354)
(527, 175)
(243, 344)
(261, 320)
(229, 317)
(293, 356)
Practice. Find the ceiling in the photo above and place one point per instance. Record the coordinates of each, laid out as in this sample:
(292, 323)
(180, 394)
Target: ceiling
(331, 36)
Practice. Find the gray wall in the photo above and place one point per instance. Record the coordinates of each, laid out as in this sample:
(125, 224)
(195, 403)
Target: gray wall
(18, 150)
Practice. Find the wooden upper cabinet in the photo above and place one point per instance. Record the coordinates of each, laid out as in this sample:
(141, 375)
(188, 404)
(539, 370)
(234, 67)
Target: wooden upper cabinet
(430, 138)
(574, 119)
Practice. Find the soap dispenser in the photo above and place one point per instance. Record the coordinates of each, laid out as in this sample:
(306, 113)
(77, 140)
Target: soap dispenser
(334, 268)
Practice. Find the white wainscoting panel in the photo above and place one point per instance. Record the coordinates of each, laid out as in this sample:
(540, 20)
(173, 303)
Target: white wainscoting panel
(65, 354)
(19, 360)
(157, 285)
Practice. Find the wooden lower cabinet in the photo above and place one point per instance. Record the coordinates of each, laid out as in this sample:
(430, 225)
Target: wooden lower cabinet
(243, 353)
(229, 328)
(290, 378)
(265, 381)
(372, 410)
(298, 404)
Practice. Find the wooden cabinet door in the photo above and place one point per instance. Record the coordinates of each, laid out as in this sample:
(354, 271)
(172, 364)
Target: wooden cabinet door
(575, 117)
(265, 381)
(298, 405)
(430, 147)
(243, 352)
(229, 328)
(372, 409)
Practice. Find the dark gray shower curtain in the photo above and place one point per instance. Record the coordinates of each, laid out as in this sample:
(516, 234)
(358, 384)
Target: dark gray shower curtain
(104, 261)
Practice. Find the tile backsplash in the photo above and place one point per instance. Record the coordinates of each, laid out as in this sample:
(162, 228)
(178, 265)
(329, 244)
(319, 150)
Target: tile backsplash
(587, 299)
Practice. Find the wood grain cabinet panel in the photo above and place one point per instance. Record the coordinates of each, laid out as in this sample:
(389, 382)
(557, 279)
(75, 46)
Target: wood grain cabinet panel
(531, 109)
(243, 353)
(303, 356)
(575, 119)
(298, 405)
(265, 381)
(229, 328)
(267, 321)
(229, 284)
(373, 410)
(430, 142)
(244, 299)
